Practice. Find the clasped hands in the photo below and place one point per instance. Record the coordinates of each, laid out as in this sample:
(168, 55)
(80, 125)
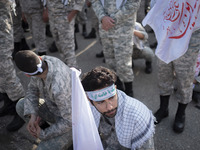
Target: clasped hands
(33, 126)
(107, 23)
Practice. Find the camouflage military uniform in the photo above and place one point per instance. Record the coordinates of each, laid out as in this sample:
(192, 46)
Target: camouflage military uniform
(123, 132)
(56, 109)
(141, 48)
(9, 82)
(82, 16)
(17, 24)
(183, 67)
(33, 12)
(62, 30)
(118, 41)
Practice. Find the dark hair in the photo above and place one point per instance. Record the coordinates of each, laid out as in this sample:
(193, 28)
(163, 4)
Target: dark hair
(98, 78)
(27, 61)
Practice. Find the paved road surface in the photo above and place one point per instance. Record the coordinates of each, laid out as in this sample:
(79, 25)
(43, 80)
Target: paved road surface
(145, 89)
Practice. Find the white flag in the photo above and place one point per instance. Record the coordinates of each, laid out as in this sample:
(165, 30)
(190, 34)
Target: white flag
(173, 22)
(85, 133)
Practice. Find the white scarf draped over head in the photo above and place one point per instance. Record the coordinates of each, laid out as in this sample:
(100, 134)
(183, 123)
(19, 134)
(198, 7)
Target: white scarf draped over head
(85, 132)
(118, 3)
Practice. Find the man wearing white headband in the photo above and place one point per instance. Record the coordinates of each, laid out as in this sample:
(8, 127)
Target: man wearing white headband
(124, 122)
(48, 99)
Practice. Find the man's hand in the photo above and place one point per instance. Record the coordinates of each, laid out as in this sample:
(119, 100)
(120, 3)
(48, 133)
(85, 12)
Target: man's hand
(45, 15)
(23, 17)
(107, 23)
(33, 126)
(71, 15)
(38, 129)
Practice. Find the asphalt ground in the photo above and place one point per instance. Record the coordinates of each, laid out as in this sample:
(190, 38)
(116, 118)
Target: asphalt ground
(145, 90)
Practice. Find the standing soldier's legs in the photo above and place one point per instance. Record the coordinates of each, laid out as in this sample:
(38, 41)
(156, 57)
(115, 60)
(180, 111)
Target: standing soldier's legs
(165, 85)
(184, 69)
(108, 50)
(10, 87)
(19, 39)
(39, 36)
(123, 50)
(63, 34)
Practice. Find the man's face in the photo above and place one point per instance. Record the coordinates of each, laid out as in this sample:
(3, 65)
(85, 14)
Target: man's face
(107, 107)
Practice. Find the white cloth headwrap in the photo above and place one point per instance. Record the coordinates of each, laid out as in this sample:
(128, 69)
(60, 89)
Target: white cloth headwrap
(85, 133)
(118, 3)
(39, 69)
(65, 2)
(102, 94)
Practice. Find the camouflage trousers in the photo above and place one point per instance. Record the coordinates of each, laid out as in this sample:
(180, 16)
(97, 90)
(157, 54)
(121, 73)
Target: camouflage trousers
(148, 145)
(81, 16)
(146, 53)
(38, 29)
(63, 34)
(118, 56)
(9, 82)
(181, 69)
(61, 142)
(17, 24)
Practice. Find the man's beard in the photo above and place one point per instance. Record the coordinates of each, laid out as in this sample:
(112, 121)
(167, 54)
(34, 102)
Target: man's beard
(112, 115)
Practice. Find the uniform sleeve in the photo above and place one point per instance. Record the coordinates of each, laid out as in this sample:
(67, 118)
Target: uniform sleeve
(32, 98)
(130, 7)
(62, 96)
(79, 5)
(140, 29)
(98, 9)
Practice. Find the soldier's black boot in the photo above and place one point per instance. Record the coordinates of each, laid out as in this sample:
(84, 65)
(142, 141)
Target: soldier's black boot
(99, 55)
(163, 111)
(48, 31)
(25, 26)
(17, 48)
(76, 28)
(53, 48)
(75, 42)
(148, 68)
(91, 35)
(42, 53)
(120, 84)
(179, 122)
(84, 31)
(129, 88)
(24, 45)
(16, 123)
(8, 107)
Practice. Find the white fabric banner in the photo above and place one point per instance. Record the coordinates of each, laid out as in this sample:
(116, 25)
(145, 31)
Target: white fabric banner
(85, 133)
(173, 22)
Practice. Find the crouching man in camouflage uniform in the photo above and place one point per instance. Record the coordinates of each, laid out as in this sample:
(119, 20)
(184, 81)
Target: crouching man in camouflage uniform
(141, 47)
(48, 98)
(126, 123)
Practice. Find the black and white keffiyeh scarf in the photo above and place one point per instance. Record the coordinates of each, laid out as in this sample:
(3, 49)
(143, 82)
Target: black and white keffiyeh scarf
(134, 122)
